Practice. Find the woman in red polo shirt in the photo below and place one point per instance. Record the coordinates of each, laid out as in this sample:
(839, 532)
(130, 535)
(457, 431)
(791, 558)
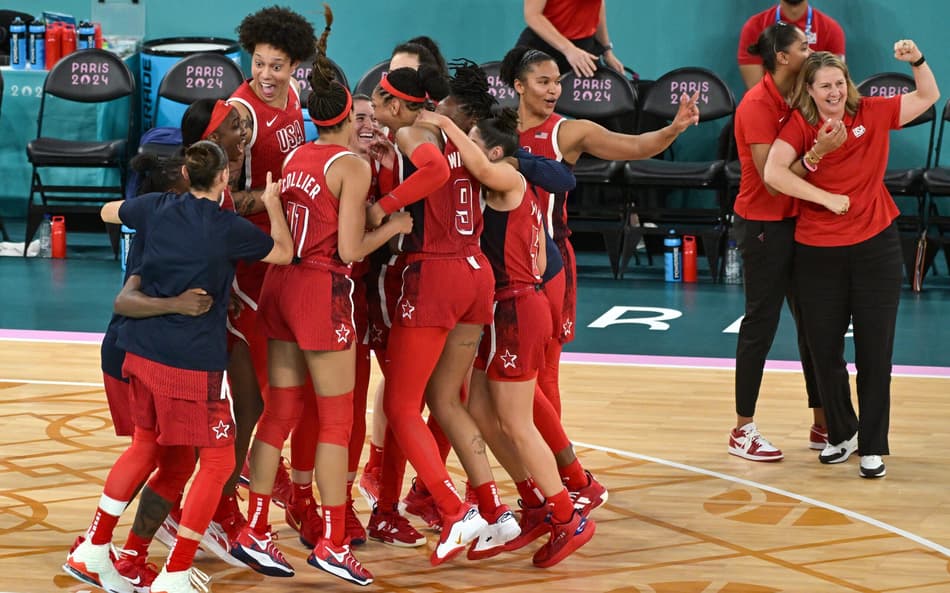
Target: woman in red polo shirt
(765, 231)
(847, 252)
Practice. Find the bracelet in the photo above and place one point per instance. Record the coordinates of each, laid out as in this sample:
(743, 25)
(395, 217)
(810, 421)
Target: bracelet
(919, 62)
(608, 46)
(812, 157)
(812, 167)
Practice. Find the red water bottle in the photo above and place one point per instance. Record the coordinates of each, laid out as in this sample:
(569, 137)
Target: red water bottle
(54, 41)
(68, 44)
(98, 27)
(689, 258)
(59, 237)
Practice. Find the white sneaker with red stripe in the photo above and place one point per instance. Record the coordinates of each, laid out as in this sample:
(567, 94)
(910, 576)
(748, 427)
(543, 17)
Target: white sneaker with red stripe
(748, 443)
(91, 564)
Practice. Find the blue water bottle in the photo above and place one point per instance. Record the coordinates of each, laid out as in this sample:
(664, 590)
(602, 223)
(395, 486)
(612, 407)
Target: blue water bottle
(673, 257)
(36, 41)
(86, 34)
(18, 44)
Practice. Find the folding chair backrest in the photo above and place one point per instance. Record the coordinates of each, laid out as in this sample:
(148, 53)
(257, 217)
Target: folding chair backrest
(90, 76)
(715, 97)
(302, 74)
(604, 95)
(367, 83)
(504, 94)
(204, 75)
(943, 124)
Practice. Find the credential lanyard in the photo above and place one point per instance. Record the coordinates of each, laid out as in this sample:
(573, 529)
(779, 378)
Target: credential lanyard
(808, 34)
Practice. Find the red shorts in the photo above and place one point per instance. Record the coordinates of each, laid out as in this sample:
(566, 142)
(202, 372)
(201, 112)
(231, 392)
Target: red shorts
(246, 327)
(117, 394)
(383, 285)
(554, 291)
(182, 406)
(360, 310)
(512, 347)
(564, 332)
(309, 306)
(446, 292)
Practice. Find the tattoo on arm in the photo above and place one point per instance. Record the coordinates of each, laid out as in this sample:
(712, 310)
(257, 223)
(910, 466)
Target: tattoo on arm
(478, 444)
(151, 512)
(243, 202)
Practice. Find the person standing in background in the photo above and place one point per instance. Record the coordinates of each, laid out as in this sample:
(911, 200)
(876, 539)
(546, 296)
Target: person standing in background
(823, 34)
(573, 32)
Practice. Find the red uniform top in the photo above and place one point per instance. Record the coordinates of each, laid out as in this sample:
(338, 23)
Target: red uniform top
(824, 33)
(449, 220)
(574, 19)
(276, 133)
(313, 212)
(511, 242)
(542, 140)
(855, 169)
(759, 118)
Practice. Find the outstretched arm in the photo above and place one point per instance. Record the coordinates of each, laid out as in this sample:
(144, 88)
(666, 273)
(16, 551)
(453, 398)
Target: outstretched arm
(553, 176)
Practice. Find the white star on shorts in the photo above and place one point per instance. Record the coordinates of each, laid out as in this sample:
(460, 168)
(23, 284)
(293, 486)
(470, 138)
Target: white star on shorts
(509, 359)
(342, 334)
(568, 326)
(221, 430)
(407, 310)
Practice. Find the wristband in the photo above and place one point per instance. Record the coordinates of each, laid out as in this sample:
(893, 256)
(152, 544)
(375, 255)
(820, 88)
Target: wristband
(919, 62)
(608, 46)
(808, 166)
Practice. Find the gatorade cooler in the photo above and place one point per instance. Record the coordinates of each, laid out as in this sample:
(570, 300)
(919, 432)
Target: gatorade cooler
(158, 56)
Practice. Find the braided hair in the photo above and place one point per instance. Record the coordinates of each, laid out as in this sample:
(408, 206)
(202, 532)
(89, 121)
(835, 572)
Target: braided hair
(328, 98)
(470, 88)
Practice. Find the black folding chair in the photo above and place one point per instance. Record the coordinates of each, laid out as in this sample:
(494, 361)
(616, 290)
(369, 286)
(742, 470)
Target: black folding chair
(367, 83)
(203, 75)
(936, 183)
(504, 94)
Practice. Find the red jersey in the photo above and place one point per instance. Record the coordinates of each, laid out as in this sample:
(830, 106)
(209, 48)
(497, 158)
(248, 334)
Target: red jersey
(574, 19)
(542, 140)
(511, 242)
(855, 169)
(313, 212)
(449, 220)
(759, 118)
(823, 32)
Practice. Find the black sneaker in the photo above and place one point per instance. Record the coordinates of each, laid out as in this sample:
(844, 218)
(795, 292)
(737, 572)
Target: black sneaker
(839, 453)
(872, 467)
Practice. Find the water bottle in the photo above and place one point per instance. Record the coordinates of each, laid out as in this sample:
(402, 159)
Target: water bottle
(733, 264)
(36, 45)
(45, 236)
(58, 241)
(67, 43)
(128, 234)
(54, 44)
(86, 35)
(18, 57)
(689, 258)
(673, 257)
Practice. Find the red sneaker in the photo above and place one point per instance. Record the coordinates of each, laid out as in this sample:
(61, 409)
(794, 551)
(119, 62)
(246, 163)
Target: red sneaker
(532, 526)
(817, 437)
(369, 484)
(304, 517)
(339, 562)
(229, 516)
(394, 529)
(136, 570)
(458, 531)
(355, 532)
(422, 506)
(565, 538)
(259, 552)
(590, 496)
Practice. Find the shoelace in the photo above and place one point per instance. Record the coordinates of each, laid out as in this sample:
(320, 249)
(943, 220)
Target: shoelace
(199, 580)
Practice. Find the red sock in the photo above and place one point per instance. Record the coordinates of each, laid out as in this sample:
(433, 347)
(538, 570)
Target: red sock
(257, 505)
(103, 524)
(375, 457)
(531, 496)
(573, 475)
(488, 501)
(137, 544)
(182, 554)
(334, 524)
(562, 507)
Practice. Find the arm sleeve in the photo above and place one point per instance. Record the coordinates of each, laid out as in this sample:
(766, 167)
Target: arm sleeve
(432, 171)
(551, 175)
(246, 241)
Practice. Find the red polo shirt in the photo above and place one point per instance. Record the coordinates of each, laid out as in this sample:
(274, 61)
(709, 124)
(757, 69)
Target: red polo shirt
(574, 19)
(855, 169)
(826, 33)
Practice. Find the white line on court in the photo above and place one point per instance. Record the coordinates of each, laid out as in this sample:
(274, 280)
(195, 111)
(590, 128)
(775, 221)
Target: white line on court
(836, 509)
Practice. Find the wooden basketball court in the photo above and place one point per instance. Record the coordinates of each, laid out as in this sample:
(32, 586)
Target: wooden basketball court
(683, 515)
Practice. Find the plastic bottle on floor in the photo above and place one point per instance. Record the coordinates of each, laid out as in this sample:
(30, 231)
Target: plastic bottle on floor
(45, 236)
(733, 264)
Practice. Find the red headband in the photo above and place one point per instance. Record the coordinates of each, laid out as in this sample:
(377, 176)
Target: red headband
(326, 123)
(221, 110)
(389, 88)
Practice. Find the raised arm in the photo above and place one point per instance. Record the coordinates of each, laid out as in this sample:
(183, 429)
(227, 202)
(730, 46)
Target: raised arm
(779, 175)
(132, 302)
(927, 92)
(283, 251)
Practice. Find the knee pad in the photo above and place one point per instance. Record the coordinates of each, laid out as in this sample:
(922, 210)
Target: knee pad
(336, 419)
(282, 409)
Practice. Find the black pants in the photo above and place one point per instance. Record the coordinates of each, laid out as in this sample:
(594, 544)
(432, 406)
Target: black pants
(860, 284)
(768, 249)
(531, 39)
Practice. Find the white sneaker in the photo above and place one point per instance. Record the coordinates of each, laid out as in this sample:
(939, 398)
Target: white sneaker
(746, 442)
(457, 532)
(872, 466)
(492, 539)
(839, 453)
(181, 581)
(91, 564)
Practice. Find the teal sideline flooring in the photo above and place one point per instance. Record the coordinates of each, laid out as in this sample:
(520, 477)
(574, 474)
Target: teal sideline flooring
(639, 315)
